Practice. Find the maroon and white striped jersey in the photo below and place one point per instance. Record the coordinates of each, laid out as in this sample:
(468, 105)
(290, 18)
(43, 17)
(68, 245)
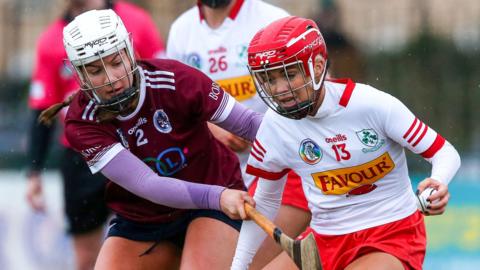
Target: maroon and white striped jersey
(168, 131)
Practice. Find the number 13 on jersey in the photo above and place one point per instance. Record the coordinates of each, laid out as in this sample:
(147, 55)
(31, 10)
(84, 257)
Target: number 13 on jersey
(341, 153)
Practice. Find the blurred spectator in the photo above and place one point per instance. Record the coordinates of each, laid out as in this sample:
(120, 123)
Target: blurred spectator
(345, 60)
(52, 82)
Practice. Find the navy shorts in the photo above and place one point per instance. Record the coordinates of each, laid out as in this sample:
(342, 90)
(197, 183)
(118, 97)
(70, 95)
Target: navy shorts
(173, 232)
(84, 194)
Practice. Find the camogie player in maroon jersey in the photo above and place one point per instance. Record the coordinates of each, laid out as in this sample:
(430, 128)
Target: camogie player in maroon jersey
(52, 81)
(176, 190)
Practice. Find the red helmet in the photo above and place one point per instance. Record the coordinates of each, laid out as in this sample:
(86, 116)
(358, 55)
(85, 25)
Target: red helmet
(285, 42)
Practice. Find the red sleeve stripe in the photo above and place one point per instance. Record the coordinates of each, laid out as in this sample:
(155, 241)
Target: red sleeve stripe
(410, 128)
(255, 156)
(425, 128)
(433, 149)
(347, 93)
(258, 152)
(419, 126)
(266, 175)
(256, 142)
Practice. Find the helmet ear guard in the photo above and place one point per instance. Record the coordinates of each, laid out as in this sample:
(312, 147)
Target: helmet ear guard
(317, 86)
(93, 36)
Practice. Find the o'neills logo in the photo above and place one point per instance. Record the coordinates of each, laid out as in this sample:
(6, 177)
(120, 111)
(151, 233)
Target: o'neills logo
(337, 138)
(341, 181)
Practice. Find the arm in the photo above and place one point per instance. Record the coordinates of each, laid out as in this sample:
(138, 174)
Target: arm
(38, 144)
(238, 119)
(409, 131)
(39, 141)
(445, 164)
(128, 171)
(268, 197)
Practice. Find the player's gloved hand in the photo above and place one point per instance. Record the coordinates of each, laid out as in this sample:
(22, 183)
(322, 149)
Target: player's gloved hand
(34, 193)
(232, 203)
(437, 200)
(235, 143)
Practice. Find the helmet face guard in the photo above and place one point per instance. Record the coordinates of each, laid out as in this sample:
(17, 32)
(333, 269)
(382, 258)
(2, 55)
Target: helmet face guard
(92, 37)
(301, 108)
(291, 42)
(120, 102)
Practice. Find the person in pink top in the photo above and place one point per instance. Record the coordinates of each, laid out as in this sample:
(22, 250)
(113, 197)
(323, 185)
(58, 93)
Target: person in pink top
(52, 82)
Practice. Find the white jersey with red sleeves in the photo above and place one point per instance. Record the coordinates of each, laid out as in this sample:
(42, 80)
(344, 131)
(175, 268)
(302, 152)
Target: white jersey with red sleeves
(222, 53)
(350, 156)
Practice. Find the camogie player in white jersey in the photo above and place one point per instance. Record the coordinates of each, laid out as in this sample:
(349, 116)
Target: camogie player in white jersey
(346, 141)
(213, 36)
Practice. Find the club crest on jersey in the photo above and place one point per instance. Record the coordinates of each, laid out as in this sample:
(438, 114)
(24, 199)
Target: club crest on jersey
(194, 60)
(161, 122)
(310, 152)
(369, 138)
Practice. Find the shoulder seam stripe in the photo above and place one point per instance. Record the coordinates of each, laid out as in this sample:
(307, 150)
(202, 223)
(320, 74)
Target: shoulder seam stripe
(157, 86)
(159, 79)
(159, 72)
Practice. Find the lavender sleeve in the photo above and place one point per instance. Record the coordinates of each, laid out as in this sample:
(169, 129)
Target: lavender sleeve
(126, 170)
(242, 122)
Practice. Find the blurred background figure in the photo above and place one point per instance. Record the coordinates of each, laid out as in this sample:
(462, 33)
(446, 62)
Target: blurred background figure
(345, 58)
(52, 82)
(430, 46)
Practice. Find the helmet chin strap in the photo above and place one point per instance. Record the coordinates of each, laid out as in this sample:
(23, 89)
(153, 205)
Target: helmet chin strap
(316, 85)
(122, 102)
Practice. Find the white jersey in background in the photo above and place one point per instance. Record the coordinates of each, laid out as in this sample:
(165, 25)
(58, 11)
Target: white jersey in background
(350, 156)
(222, 53)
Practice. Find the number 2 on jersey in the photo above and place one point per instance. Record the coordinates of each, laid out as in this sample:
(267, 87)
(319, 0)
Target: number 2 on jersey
(340, 152)
(140, 139)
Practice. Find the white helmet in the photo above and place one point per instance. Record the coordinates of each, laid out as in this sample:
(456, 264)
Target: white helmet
(92, 36)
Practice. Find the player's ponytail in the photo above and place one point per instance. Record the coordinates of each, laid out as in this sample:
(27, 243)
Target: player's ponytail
(47, 115)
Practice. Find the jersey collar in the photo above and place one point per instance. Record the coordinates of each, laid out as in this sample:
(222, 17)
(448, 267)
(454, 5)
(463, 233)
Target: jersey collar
(330, 102)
